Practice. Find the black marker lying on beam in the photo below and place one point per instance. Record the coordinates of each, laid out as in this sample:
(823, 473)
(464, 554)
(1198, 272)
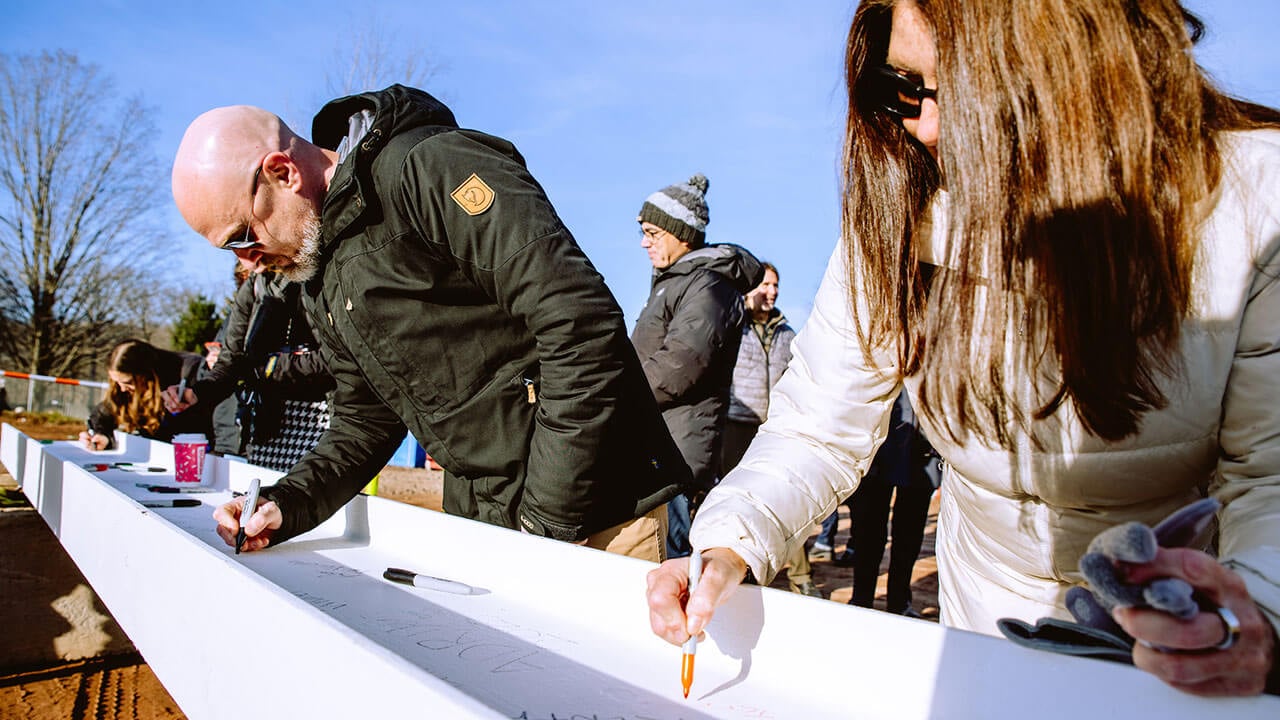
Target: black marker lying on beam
(179, 502)
(174, 488)
(409, 577)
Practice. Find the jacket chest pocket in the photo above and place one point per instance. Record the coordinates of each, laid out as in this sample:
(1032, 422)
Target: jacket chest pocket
(433, 332)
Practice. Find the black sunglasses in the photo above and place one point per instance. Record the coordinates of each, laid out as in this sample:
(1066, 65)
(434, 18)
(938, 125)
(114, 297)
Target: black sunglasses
(898, 94)
(247, 242)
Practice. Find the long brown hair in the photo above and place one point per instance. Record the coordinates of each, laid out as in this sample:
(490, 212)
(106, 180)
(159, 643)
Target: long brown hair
(141, 410)
(1078, 139)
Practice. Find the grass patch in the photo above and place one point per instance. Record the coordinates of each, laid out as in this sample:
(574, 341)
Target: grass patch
(12, 498)
(39, 418)
(45, 425)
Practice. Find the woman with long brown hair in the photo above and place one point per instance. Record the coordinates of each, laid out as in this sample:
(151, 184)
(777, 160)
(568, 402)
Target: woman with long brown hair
(1064, 242)
(138, 372)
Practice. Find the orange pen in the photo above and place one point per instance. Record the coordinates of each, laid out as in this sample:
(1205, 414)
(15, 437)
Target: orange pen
(690, 647)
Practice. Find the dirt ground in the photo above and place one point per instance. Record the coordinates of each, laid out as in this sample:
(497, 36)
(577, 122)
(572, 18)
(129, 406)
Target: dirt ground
(123, 687)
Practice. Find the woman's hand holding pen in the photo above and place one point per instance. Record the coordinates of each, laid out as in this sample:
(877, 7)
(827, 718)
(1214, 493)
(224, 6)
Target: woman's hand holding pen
(93, 441)
(257, 530)
(673, 616)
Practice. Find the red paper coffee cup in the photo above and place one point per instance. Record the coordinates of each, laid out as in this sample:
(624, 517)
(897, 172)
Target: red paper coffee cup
(188, 456)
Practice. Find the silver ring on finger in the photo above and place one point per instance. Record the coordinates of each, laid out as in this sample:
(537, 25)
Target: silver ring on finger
(1231, 624)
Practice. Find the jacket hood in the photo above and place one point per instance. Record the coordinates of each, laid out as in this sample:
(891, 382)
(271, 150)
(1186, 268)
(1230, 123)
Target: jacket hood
(359, 127)
(395, 109)
(734, 262)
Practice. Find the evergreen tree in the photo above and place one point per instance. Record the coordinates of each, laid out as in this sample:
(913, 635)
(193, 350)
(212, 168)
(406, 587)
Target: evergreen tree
(198, 324)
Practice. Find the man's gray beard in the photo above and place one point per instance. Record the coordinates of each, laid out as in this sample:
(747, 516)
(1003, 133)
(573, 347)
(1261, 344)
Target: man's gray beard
(307, 260)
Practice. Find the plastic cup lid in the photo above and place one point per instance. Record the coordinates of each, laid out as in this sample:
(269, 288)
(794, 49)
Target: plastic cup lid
(190, 438)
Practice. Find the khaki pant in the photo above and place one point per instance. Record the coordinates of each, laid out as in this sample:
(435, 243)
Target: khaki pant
(798, 568)
(644, 537)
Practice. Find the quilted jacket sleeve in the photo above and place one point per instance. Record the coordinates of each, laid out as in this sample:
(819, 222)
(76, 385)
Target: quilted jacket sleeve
(706, 318)
(220, 381)
(1248, 477)
(827, 416)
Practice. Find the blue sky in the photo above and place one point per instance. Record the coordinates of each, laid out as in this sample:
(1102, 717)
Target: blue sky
(608, 101)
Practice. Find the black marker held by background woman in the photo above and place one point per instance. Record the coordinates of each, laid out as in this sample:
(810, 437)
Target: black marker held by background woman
(1064, 243)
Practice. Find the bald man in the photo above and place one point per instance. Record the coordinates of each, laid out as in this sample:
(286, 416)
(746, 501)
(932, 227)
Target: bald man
(449, 299)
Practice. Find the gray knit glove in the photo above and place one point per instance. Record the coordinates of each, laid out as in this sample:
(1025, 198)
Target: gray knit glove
(1095, 633)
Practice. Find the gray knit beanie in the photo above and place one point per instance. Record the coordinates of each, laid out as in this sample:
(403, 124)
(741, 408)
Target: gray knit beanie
(680, 209)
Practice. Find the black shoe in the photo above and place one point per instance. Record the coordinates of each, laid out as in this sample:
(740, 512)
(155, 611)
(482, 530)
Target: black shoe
(908, 611)
(844, 559)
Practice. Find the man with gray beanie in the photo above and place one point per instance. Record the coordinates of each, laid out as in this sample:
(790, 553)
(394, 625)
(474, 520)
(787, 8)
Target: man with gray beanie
(688, 333)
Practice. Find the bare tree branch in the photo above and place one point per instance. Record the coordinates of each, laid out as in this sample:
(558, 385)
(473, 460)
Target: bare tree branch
(80, 191)
(373, 56)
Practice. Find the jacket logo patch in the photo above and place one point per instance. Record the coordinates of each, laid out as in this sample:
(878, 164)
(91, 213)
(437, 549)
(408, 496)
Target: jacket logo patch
(473, 196)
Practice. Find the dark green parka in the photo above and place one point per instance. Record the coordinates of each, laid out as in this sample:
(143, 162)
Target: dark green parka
(452, 300)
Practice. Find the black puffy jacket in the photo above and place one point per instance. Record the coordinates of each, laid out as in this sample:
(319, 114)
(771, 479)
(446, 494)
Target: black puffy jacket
(452, 300)
(687, 337)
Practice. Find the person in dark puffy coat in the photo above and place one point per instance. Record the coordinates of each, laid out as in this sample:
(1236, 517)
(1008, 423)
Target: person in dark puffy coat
(228, 438)
(270, 357)
(688, 333)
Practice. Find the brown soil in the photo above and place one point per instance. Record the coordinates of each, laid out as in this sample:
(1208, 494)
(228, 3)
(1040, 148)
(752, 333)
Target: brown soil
(108, 688)
(123, 686)
(113, 687)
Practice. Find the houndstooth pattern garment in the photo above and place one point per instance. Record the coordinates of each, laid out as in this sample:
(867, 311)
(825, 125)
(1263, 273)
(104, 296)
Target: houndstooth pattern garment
(303, 423)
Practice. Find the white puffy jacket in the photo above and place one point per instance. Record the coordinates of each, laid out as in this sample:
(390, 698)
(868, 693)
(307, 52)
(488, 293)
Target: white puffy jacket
(1012, 526)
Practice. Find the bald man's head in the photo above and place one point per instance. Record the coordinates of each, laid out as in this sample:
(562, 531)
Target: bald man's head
(219, 153)
(242, 176)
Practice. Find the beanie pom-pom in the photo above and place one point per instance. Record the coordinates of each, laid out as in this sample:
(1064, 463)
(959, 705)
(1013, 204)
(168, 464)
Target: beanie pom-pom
(700, 181)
